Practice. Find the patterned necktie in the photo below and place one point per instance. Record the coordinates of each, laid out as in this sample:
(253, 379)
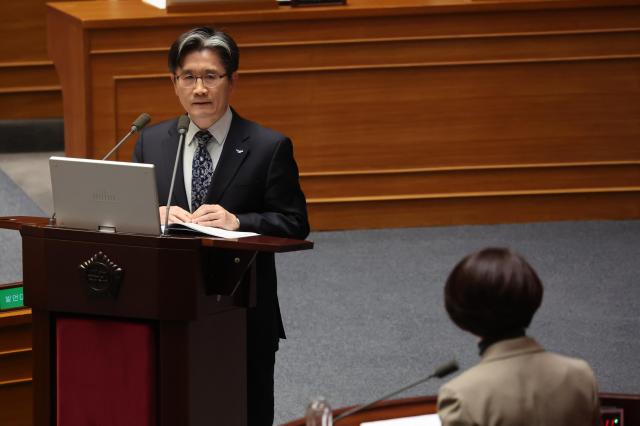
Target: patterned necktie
(201, 169)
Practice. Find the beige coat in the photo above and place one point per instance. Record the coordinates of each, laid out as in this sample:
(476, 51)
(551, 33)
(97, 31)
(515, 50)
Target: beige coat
(518, 383)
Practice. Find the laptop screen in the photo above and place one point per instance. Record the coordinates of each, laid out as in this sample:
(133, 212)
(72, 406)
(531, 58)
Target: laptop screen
(109, 196)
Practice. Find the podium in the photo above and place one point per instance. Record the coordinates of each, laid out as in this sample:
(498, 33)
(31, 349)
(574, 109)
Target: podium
(135, 329)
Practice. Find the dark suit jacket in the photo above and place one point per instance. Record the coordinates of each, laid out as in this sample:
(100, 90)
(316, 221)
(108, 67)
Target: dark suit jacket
(257, 180)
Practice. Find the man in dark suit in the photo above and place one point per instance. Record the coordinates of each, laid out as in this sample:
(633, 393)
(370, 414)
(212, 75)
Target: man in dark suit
(233, 174)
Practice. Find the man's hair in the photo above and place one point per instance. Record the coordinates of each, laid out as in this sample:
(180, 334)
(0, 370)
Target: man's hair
(205, 38)
(492, 292)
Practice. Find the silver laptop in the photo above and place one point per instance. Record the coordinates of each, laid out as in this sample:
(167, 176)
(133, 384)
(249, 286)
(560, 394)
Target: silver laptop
(108, 196)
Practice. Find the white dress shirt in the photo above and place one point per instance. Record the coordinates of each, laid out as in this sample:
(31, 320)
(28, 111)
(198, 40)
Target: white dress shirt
(219, 130)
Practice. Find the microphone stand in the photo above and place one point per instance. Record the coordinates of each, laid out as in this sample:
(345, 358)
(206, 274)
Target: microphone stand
(442, 371)
(142, 120)
(183, 135)
(115, 148)
(52, 219)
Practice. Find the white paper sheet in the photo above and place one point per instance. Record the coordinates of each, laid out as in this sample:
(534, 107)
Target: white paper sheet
(215, 232)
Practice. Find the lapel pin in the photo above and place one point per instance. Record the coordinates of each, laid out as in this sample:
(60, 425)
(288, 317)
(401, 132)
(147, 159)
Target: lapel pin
(239, 151)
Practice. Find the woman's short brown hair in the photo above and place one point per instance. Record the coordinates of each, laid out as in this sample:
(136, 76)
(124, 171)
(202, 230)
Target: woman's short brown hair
(492, 292)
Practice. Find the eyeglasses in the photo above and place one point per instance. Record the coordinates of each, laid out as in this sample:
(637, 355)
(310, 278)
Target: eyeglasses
(188, 80)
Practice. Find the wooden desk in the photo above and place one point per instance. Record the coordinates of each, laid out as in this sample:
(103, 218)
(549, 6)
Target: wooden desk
(393, 409)
(403, 112)
(409, 407)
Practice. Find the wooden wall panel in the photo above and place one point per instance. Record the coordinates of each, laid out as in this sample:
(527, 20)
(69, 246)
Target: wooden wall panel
(142, 94)
(436, 116)
(22, 28)
(25, 76)
(14, 335)
(463, 181)
(440, 50)
(29, 86)
(16, 370)
(16, 401)
(410, 117)
(16, 364)
(30, 105)
(478, 209)
(376, 19)
(408, 104)
(129, 94)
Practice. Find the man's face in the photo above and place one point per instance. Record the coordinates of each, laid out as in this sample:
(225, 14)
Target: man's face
(205, 105)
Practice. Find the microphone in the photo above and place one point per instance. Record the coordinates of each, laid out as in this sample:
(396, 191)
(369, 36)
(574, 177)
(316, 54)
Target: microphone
(446, 369)
(439, 373)
(142, 120)
(183, 126)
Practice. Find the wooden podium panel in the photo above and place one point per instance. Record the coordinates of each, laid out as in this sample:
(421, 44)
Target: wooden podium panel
(426, 112)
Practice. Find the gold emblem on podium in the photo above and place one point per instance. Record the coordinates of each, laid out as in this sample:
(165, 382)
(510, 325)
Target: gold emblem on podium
(102, 276)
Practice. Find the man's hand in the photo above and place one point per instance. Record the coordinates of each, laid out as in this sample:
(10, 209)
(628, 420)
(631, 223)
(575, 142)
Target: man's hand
(216, 216)
(176, 215)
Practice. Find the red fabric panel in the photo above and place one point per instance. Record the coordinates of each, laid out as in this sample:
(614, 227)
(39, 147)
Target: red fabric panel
(105, 373)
